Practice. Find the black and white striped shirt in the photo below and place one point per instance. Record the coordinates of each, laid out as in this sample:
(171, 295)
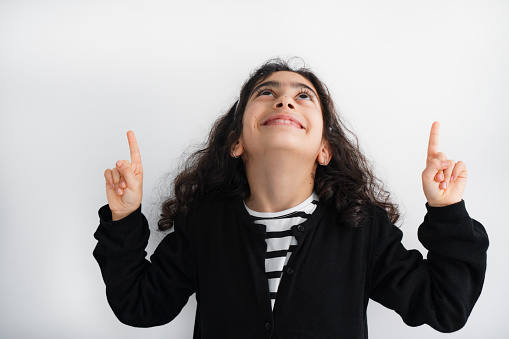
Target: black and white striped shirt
(280, 240)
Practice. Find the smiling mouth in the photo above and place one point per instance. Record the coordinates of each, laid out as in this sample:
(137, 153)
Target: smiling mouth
(285, 121)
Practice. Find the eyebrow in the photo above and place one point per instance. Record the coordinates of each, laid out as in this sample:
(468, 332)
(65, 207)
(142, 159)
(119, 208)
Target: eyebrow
(278, 84)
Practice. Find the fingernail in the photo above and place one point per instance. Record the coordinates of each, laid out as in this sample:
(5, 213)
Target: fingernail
(443, 185)
(452, 179)
(120, 163)
(440, 177)
(445, 164)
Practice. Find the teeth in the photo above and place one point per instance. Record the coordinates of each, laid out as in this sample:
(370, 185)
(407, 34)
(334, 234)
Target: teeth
(283, 121)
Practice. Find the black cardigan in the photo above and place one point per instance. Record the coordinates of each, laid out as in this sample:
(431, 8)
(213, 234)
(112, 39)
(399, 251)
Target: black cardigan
(218, 253)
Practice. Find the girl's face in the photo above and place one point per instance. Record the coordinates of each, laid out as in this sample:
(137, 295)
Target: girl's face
(283, 113)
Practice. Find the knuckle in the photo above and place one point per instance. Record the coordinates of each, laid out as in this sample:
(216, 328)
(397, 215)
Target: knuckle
(441, 156)
(126, 166)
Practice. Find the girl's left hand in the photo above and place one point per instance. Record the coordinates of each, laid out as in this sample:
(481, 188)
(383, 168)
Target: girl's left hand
(443, 180)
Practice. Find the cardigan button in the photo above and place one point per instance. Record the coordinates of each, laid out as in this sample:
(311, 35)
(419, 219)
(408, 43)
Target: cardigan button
(268, 326)
(289, 271)
(300, 228)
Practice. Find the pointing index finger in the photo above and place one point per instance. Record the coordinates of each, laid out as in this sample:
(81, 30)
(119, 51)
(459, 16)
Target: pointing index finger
(433, 140)
(133, 148)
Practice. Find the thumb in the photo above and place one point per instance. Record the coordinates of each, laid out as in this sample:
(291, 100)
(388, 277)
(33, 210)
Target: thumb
(435, 165)
(125, 168)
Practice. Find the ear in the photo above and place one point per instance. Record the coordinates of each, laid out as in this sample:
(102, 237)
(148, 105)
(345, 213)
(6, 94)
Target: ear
(237, 149)
(325, 154)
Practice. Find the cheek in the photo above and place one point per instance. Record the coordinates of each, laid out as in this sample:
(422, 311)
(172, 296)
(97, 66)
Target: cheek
(250, 120)
(247, 132)
(317, 124)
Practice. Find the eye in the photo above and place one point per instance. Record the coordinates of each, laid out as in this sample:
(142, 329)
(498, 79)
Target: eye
(304, 96)
(264, 91)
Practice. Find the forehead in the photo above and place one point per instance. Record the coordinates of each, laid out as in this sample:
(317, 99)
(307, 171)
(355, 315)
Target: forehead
(287, 77)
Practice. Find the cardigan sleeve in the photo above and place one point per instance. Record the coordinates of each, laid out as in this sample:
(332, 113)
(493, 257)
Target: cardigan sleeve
(442, 289)
(143, 293)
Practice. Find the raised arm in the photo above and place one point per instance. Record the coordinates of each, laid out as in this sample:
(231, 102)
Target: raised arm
(442, 289)
(140, 292)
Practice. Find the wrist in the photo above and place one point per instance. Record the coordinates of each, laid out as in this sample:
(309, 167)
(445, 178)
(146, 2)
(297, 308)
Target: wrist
(449, 212)
(118, 216)
(441, 204)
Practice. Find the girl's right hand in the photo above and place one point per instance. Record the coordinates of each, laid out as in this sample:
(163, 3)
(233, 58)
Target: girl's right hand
(124, 183)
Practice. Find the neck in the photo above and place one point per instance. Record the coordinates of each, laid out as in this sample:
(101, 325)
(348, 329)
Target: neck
(278, 183)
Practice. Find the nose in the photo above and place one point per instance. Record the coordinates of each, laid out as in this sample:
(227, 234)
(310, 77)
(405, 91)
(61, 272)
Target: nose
(285, 101)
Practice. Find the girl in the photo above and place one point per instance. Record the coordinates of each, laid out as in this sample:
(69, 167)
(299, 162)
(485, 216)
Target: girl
(282, 231)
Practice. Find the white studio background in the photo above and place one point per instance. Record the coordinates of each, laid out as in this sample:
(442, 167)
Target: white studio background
(76, 75)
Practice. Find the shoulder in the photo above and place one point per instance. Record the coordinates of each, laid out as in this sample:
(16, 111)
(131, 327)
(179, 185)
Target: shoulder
(380, 223)
(377, 229)
(208, 212)
(367, 215)
(215, 207)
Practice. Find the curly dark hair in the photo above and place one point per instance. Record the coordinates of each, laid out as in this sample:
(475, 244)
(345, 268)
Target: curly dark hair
(211, 173)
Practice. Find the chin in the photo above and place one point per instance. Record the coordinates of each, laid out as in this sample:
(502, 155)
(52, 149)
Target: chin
(290, 143)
